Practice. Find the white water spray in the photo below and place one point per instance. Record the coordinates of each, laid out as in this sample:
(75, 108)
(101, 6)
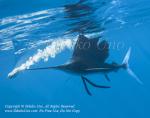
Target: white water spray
(52, 50)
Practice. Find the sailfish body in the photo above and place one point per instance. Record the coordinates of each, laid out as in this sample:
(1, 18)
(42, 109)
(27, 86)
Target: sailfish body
(89, 56)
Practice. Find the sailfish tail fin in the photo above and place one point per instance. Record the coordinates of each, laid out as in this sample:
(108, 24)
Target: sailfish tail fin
(127, 67)
(126, 58)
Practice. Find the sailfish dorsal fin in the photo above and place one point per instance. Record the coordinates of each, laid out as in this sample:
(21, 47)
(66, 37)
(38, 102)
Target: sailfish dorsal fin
(90, 50)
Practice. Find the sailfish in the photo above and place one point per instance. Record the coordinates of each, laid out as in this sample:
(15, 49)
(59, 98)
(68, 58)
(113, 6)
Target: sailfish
(89, 56)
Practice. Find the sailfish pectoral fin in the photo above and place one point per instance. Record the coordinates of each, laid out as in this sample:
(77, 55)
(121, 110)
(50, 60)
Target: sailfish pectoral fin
(85, 86)
(95, 85)
(106, 76)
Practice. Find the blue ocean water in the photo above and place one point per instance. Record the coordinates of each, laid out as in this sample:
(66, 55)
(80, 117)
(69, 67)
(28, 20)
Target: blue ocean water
(43, 33)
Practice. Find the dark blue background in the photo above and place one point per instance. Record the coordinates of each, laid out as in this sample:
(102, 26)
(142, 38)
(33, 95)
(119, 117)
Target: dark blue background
(126, 98)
